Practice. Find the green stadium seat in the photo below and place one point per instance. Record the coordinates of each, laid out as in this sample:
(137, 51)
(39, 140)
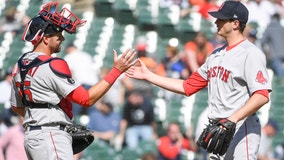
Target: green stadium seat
(145, 20)
(167, 19)
(200, 103)
(123, 12)
(147, 146)
(130, 153)
(14, 3)
(161, 47)
(99, 150)
(2, 107)
(206, 27)
(104, 8)
(276, 110)
(34, 7)
(185, 29)
(145, 14)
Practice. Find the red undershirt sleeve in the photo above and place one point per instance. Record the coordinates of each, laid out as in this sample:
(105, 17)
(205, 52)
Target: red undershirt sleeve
(80, 96)
(265, 93)
(194, 83)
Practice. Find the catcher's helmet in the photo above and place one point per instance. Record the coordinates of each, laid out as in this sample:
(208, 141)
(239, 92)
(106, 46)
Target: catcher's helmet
(49, 22)
(37, 28)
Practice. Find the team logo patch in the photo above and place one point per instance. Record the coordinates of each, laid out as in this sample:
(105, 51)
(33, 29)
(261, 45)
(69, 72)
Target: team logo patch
(71, 80)
(260, 78)
(26, 61)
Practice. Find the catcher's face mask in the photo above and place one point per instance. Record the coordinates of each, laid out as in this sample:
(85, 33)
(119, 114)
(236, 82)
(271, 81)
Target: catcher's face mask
(49, 22)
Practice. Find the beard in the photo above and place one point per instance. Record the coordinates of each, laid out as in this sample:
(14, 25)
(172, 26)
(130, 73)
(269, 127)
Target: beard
(56, 49)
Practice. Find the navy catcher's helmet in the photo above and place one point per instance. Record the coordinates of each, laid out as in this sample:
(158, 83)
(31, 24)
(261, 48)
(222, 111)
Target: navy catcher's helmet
(49, 22)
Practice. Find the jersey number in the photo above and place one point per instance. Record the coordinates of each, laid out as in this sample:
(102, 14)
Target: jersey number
(25, 89)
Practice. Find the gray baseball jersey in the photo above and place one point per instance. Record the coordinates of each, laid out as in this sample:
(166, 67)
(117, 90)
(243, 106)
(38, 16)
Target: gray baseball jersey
(42, 85)
(233, 76)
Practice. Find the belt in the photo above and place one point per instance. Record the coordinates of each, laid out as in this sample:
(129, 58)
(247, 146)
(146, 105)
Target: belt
(38, 105)
(33, 128)
(218, 119)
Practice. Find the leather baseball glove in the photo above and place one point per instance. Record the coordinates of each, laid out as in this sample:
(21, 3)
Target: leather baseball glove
(81, 137)
(217, 136)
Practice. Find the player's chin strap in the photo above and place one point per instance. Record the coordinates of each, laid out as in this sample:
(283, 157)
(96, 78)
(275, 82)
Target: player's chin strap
(24, 68)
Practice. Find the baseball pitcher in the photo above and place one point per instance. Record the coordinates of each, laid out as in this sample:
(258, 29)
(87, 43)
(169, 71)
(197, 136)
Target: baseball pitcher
(238, 85)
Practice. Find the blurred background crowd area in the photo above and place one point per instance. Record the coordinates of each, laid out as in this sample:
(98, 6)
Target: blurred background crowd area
(173, 38)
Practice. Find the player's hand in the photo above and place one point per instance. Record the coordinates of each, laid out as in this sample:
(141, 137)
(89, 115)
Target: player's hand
(139, 71)
(126, 60)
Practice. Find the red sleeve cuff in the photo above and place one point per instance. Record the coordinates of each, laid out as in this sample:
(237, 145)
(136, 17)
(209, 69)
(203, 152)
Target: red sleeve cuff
(265, 93)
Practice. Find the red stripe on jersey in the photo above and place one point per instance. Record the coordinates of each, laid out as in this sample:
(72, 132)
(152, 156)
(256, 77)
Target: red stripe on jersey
(194, 83)
(60, 66)
(79, 95)
(231, 47)
(33, 72)
(54, 146)
(247, 145)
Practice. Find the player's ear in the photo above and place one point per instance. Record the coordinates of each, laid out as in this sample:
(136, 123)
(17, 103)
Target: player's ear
(45, 39)
(236, 24)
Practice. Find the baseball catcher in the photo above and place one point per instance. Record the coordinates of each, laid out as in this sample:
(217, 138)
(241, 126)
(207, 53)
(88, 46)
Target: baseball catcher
(217, 136)
(43, 88)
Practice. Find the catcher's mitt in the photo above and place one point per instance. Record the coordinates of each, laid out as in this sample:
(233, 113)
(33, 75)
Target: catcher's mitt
(81, 137)
(217, 136)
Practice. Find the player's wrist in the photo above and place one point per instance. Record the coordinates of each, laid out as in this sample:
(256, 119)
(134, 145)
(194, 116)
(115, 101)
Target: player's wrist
(232, 119)
(113, 74)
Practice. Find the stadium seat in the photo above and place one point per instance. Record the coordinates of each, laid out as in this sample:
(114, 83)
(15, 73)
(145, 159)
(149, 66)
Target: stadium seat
(167, 19)
(130, 153)
(147, 146)
(2, 107)
(146, 14)
(161, 47)
(12, 3)
(200, 103)
(186, 29)
(99, 150)
(173, 111)
(123, 11)
(33, 8)
(104, 8)
(276, 111)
